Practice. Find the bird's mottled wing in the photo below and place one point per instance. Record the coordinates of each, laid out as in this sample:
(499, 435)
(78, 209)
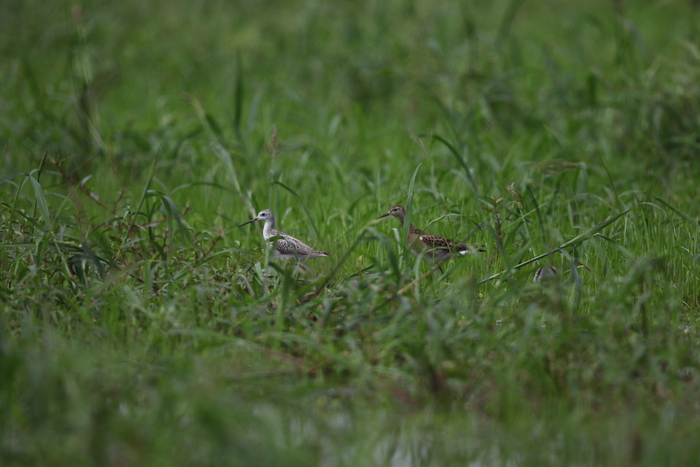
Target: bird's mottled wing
(292, 246)
(436, 241)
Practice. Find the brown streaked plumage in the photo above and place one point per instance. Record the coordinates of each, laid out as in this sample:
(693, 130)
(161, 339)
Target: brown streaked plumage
(437, 248)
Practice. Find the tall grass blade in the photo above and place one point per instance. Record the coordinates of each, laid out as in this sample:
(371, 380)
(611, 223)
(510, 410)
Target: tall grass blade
(238, 97)
(459, 158)
(409, 205)
(303, 205)
(139, 206)
(41, 202)
(232, 176)
(593, 231)
(690, 220)
(610, 179)
(174, 214)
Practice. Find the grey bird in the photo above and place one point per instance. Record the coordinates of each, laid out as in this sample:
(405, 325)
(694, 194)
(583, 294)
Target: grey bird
(286, 246)
(545, 274)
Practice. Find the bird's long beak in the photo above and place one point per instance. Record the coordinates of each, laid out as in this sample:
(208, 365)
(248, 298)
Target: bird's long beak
(384, 215)
(256, 219)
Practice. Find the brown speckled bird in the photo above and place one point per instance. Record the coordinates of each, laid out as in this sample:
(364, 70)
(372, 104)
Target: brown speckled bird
(437, 249)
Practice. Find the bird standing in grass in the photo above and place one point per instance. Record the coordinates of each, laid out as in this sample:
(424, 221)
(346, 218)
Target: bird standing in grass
(436, 249)
(286, 246)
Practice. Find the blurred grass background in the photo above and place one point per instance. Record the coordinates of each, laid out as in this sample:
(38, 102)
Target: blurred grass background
(139, 327)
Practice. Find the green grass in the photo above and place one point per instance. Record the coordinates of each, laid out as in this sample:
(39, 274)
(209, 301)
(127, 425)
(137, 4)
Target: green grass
(141, 326)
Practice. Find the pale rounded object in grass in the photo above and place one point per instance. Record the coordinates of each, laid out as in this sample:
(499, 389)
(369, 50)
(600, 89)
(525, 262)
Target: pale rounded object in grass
(545, 274)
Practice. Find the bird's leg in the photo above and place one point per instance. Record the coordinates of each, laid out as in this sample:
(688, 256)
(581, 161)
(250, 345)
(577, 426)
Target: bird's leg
(299, 263)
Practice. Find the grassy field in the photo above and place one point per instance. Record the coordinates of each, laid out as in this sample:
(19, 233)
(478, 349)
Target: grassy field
(140, 325)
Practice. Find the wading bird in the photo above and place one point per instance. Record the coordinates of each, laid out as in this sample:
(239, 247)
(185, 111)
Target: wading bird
(286, 246)
(435, 249)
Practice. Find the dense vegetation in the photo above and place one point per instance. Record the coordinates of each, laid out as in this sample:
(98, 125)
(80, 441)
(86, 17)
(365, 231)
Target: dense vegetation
(141, 326)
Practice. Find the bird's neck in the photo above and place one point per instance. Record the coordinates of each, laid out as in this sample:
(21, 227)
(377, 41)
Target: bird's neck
(412, 227)
(268, 228)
